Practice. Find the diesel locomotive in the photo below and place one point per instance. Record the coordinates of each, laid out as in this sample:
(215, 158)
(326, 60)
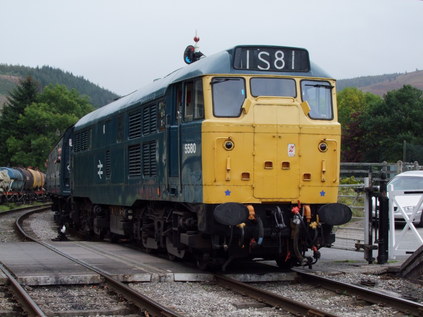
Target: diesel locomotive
(235, 155)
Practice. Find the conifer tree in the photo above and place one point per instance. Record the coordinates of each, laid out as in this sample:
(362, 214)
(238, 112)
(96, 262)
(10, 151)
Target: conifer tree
(44, 121)
(20, 98)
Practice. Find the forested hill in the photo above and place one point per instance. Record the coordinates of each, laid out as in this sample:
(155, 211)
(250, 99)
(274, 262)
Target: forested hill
(10, 76)
(381, 84)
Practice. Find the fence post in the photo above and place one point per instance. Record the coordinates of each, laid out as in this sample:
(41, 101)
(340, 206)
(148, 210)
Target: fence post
(368, 228)
(383, 242)
(399, 167)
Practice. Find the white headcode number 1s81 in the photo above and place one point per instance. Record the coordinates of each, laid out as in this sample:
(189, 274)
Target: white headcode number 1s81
(278, 60)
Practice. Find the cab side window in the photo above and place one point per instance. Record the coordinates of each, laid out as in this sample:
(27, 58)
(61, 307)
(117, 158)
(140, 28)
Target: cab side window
(193, 100)
(228, 96)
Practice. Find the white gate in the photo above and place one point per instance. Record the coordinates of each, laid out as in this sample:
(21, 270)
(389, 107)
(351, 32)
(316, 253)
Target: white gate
(396, 205)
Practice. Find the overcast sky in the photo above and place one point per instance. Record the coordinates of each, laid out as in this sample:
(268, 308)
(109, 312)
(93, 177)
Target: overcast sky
(123, 45)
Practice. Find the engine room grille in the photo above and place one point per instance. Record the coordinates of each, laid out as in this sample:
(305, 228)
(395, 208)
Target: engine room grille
(134, 160)
(134, 130)
(108, 164)
(119, 128)
(82, 141)
(149, 162)
(149, 119)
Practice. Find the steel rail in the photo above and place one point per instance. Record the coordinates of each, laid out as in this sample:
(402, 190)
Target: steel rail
(403, 305)
(140, 300)
(411, 268)
(23, 297)
(272, 299)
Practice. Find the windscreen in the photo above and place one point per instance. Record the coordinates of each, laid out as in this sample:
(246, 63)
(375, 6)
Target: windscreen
(280, 87)
(228, 96)
(318, 94)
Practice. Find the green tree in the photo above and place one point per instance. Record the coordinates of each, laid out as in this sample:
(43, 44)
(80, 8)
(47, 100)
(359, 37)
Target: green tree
(352, 105)
(45, 121)
(388, 124)
(20, 98)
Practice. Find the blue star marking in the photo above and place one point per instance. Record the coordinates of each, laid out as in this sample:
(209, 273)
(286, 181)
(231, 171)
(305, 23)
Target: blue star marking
(322, 193)
(227, 192)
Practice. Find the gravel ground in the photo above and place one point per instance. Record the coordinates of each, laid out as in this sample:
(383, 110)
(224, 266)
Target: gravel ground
(81, 300)
(205, 299)
(42, 225)
(7, 227)
(329, 301)
(8, 305)
(208, 299)
(387, 283)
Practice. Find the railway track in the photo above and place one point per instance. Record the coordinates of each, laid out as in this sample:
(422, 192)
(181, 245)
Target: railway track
(412, 268)
(405, 306)
(8, 219)
(25, 301)
(295, 307)
(144, 303)
(282, 305)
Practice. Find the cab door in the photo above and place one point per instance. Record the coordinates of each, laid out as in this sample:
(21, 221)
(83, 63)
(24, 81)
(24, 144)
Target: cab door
(185, 170)
(173, 127)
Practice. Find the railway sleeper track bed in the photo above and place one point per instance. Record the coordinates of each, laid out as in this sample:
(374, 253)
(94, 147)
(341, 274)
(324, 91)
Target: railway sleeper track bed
(15, 300)
(360, 293)
(72, 300)
(260, 306)
(364, 301)
(145, 305)
(8, 219)
(412, 268)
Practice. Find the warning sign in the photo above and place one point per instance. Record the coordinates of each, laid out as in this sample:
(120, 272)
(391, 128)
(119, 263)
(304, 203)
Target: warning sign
(291, 150)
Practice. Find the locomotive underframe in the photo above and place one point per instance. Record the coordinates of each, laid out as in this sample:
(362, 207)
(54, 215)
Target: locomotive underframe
(275, 232)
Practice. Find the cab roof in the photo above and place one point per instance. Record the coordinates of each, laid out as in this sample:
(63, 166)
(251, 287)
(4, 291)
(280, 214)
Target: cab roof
(219, 63)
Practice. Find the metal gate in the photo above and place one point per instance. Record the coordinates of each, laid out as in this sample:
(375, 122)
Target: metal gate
(396, 208)
(362, 233)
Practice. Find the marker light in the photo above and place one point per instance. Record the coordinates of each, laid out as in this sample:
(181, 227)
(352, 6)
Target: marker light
(323, 146)
(228, 145)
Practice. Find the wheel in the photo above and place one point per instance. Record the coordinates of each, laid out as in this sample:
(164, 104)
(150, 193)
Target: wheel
(114, 238)
(201, 264)
(285, 265)
(203, 261)
(173, 251)
(148, 250)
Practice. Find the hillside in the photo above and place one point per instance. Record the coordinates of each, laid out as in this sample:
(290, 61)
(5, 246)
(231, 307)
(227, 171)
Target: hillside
(381, 84)
(11, 75)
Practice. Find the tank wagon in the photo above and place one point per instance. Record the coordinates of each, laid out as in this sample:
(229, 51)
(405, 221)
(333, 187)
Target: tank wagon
(21, 185)
(236, 155)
